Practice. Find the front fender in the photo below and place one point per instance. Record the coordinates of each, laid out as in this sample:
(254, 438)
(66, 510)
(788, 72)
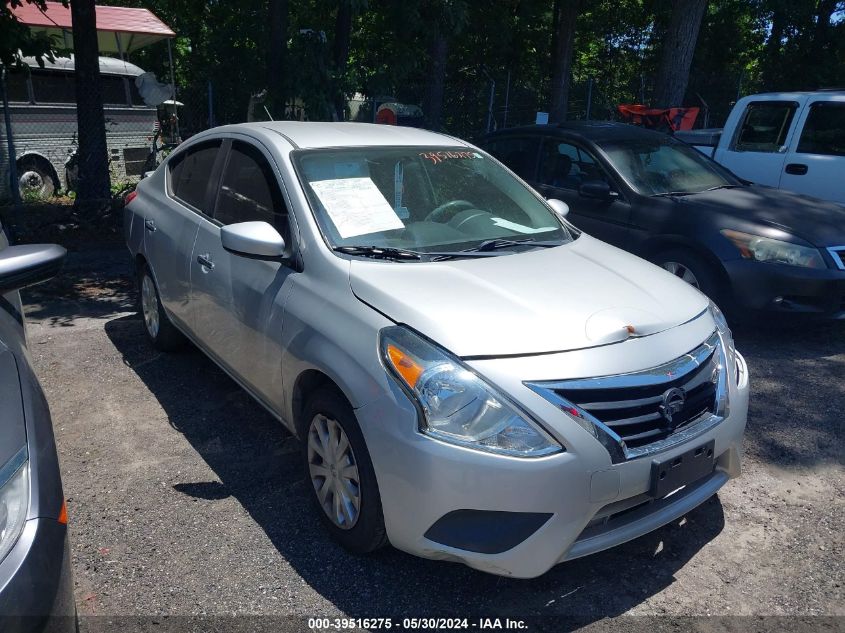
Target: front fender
(328, 330)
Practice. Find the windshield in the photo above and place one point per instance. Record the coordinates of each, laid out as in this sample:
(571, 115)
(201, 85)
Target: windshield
(659, 167)
(422, 199)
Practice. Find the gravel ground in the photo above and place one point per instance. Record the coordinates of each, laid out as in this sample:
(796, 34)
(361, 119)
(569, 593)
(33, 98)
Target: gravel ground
(185, 497)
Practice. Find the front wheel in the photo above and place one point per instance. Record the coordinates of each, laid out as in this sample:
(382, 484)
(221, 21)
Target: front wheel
(340, 475)
(691, 269)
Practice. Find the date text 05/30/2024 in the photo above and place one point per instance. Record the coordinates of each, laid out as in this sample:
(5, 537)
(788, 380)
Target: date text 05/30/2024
(414, 624)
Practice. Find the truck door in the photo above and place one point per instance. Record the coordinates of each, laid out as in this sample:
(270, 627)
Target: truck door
(758, 147)
(815, 162)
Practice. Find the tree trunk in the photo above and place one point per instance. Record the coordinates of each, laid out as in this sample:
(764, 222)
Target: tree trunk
(276, 54)
(772, 47)
(564, 40)
(437, 80)
(342, 36)
(93, 187)
(678, 51)
(820, 46)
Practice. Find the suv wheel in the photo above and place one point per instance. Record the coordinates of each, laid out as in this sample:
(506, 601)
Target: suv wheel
(340, 475)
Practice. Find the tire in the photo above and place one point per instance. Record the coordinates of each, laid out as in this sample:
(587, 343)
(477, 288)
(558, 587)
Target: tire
(350, 472)
(161, 332)
(694, 270)
(35, 178)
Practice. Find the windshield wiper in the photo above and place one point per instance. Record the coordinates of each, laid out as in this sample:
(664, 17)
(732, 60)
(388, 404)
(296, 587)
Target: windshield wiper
(487, 248)
(673, 194)
(501, 242)
(720, 187)
(484, 249)
(380, 252)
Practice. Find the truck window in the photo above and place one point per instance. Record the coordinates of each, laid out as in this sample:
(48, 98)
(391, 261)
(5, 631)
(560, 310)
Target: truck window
(764, 126)
(824, 130)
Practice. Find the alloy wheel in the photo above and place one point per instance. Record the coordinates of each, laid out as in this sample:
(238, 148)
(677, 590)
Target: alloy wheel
(682, 272)
(149, 305)
(334, 472)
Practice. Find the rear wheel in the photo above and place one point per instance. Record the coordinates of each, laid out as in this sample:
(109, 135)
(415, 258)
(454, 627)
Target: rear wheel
(339, 473)
(161, 332)
(35, 178)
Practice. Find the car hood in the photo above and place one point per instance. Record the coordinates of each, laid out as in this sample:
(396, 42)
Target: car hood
(820, 222)
(574, 296)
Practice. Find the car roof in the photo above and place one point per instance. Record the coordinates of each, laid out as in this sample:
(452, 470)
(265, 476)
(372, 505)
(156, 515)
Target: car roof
(309, 135)
(596, 131)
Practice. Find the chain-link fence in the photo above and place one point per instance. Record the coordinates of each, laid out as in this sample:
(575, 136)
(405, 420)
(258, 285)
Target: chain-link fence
(43, 123)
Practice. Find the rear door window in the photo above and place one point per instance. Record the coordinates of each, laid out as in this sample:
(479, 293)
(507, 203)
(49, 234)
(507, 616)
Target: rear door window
(189, 174)
(518, 153)
(824, 130)
(765, 126)
(249, 190)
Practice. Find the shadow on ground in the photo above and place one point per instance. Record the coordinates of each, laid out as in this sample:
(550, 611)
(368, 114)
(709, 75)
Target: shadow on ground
(257, 462)
(797, 391)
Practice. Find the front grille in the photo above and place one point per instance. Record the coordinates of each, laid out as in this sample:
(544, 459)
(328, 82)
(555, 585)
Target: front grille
(838, 255)
(638, 407)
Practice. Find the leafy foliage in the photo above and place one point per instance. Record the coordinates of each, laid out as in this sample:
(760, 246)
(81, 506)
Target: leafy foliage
(17, 40)
(503, 46)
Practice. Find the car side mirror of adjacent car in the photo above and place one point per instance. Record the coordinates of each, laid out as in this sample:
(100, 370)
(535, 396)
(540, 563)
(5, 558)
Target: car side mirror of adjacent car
(29, 264)
(597, 189)
(257, 240)
(560, 208)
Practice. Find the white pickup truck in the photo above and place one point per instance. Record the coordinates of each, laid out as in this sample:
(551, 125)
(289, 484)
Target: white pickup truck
(789, 140)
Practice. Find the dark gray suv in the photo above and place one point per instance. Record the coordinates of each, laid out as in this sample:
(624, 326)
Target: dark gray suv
(36, 590)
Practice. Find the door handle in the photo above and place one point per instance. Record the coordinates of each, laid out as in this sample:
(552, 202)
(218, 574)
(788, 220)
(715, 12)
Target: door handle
(796, 169)
(150, 226)
(205, 261)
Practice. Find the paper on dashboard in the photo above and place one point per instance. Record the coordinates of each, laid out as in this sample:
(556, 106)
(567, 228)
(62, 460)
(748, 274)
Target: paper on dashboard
(356, 206)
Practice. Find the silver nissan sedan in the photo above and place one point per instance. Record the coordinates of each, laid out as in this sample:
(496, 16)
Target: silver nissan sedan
(472, 378)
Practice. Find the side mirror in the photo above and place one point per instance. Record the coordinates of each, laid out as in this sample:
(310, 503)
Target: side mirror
(258, 240)
(29, 264)
(558, 206)
(598, 189)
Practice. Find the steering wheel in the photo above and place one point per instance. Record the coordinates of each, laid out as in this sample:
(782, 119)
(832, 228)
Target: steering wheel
(446, 210)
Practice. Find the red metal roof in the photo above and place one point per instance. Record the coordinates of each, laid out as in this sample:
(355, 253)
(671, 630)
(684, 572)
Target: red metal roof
(118, 27)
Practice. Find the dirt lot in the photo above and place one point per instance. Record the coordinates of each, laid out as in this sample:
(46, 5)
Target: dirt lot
(185, 497)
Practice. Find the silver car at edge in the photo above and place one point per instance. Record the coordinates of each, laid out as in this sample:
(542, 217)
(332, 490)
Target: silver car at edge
(472, 378)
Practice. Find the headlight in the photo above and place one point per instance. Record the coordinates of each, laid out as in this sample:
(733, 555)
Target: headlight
(766, 249)
(457, 405)
(727, 340)
(14, 500)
